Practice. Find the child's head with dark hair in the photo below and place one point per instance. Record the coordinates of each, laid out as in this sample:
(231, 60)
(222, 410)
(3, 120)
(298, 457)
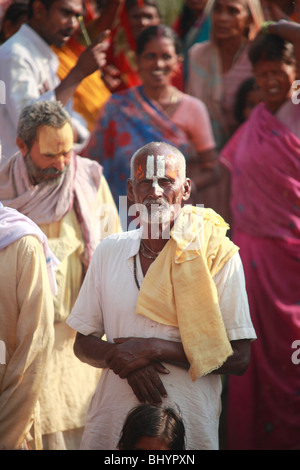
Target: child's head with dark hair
(154, 32)
(149, 424)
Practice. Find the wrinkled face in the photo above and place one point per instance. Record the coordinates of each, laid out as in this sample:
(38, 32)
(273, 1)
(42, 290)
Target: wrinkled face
(230, 18)
(50, 155)
(60, 22)
(275, 79)
(158, 185)
(142, 17)
(158, 62)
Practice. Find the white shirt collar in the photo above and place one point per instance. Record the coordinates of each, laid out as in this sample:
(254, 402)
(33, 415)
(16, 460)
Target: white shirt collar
(42, 45)
(134, 246)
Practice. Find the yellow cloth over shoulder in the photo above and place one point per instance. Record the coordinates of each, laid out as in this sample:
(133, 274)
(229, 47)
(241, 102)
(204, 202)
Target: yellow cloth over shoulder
(179, 290)
(91, 93)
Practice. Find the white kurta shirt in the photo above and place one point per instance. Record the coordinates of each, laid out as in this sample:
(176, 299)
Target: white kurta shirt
(107, 304)
(28, 72)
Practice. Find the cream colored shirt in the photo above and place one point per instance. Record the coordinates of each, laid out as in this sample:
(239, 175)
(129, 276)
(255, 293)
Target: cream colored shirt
(26, 337)
(69, 383)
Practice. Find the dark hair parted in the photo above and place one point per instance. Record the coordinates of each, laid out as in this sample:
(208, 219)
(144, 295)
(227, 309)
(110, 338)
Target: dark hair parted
(153, 421)
(154, 32)
(269, 47)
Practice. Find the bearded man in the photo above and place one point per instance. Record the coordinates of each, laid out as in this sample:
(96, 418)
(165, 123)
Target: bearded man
(68, 198)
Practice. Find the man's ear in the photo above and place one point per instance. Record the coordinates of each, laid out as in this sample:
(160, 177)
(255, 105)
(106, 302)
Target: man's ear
(22, 146)
(187, 188)
(130, 195)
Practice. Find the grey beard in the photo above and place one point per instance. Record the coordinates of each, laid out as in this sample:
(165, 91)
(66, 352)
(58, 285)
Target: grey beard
(38, 175)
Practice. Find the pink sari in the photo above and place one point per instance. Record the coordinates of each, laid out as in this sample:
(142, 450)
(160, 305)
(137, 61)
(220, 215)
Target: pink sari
(264, 404)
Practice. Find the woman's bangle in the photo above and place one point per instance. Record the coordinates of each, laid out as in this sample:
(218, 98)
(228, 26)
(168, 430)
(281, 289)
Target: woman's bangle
(265, 26)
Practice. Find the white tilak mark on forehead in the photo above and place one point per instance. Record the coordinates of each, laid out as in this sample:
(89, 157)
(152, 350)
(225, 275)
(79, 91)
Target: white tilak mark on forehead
(150, 167)
(161, 167)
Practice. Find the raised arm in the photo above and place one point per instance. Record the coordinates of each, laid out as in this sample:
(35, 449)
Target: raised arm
(289, 31)
(107, 18)
(93, 58)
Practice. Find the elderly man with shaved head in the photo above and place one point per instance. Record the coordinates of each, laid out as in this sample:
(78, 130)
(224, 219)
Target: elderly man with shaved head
(170, 297)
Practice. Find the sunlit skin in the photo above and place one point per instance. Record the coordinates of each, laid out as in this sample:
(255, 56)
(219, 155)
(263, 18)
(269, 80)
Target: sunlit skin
(151, 443)
(50, 153)
(230, 19)
(142, 17)
(59, 23)
(274, 79)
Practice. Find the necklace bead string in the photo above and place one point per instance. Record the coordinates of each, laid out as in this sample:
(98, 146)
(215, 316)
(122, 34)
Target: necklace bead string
(147, 252)
(150, 255)
(134, 273)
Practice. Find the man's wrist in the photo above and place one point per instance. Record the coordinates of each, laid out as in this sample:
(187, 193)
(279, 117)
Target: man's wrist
(155, 347)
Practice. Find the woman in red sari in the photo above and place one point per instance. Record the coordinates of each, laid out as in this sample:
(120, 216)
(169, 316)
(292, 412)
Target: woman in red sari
(135, 16)
(263, 157)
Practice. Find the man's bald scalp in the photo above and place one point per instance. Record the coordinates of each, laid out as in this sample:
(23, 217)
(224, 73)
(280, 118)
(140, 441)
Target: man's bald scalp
(152, 148)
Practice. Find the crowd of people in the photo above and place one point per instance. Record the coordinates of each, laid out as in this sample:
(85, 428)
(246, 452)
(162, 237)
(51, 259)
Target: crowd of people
(170, 322)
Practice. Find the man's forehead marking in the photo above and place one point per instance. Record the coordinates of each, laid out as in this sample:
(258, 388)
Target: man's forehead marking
(173, 165)
(160, 166)
(55, 140)
(140, 172)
